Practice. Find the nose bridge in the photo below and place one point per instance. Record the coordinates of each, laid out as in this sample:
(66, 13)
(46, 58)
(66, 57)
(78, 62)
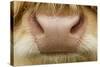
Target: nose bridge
(55, 26)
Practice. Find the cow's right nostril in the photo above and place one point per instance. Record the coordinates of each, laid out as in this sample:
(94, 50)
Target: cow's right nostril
(75, 28)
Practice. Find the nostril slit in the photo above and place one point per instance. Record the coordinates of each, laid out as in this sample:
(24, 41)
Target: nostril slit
(38, 24)
(77, 26)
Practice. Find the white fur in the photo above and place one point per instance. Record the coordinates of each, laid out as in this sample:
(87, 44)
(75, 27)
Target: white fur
(26, 46)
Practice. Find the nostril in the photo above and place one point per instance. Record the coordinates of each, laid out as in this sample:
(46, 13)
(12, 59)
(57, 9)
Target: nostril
(75, 28)
(38, 24)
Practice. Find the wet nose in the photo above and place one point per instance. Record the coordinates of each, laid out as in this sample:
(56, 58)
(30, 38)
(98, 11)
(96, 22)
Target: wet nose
(60, 34)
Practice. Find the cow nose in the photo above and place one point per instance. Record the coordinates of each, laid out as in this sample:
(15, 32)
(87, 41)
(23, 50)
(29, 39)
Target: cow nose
(60, 34)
